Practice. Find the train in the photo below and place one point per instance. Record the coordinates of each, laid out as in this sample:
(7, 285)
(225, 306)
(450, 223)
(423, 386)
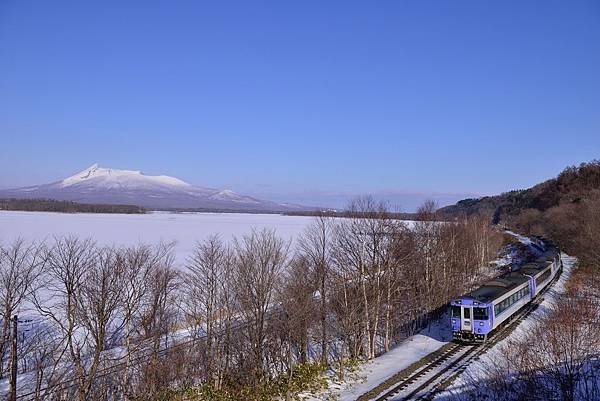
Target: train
(477, 314)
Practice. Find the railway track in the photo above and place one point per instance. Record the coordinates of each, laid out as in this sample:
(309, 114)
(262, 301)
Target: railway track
(437, 374)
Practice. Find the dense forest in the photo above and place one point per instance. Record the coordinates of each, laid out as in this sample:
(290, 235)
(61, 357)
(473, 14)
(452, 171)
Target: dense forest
(50, 205)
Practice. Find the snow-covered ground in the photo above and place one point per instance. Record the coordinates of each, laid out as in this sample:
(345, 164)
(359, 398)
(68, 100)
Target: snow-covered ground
(375, 372)
(494, 355)
(132, 229)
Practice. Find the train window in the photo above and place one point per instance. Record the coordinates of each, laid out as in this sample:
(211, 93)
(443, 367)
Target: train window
(456, 311)
(499, 308)
(480, 313)
(543, 277)
(467, 312)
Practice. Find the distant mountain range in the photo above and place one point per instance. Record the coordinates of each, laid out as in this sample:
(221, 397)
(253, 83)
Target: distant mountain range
(127, 187)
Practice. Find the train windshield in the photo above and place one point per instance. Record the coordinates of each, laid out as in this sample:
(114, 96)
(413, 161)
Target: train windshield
(480, 313)
(456, 311)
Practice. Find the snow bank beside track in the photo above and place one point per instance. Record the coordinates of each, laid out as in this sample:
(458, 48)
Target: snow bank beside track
(371, 374)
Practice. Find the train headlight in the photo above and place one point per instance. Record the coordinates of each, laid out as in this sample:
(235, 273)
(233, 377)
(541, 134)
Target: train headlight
(481, 323)
(453, 321)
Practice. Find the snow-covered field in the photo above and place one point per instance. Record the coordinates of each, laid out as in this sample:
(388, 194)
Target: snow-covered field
(130, 229)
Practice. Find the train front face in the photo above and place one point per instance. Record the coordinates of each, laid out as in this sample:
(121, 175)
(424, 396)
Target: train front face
(471, 320)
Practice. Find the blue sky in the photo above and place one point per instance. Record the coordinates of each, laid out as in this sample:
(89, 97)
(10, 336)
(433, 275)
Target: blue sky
(311, 101)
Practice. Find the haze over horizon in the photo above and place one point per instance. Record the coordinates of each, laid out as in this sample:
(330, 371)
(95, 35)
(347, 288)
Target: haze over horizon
(302, 102)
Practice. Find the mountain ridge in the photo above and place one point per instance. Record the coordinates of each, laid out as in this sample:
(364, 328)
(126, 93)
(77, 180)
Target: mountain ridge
(111, 186)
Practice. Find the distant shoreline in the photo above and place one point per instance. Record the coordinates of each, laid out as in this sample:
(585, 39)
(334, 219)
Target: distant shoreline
(70, 207)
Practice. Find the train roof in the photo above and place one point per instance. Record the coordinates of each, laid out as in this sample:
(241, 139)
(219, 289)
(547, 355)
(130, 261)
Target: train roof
(496, 288)
(531, 269)
(548, 255)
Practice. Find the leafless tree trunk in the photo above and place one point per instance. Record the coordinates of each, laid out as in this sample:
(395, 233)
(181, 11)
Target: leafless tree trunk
(316, 244)
(260, 259)
(20, 267)
(206, 299)
(68, 262)
(158, 320)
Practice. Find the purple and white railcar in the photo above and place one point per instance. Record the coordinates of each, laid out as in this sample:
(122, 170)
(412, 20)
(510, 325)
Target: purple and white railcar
(475, 315)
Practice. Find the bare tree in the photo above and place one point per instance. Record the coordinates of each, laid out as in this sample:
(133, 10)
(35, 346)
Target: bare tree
(260, 257)
(363, 248)
(68, 262)
(298, 303)
(206, 299)
(158, 320)
(20, 267)
(44, 351)
(98, 302)
(81, 298)
(315, 245)
(138, 266)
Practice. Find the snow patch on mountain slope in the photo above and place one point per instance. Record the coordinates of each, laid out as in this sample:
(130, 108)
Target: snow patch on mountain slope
(229, 195)
(98, 184)
(112, 178)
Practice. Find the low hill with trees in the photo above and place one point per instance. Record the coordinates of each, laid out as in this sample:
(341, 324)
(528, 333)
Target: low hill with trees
(575, 185)
(51, 205)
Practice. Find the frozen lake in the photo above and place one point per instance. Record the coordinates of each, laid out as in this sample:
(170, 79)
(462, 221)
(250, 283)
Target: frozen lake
(130, 229)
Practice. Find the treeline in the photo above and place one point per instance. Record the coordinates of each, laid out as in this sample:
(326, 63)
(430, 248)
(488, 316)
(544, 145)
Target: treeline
(348, 213)
(251, 319)
(51, 205)
(220, 210)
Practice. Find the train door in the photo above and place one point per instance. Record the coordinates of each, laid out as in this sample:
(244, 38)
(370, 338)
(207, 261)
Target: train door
(466, 322)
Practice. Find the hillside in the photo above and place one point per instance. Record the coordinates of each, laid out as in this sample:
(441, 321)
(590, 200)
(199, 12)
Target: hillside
(573, 185)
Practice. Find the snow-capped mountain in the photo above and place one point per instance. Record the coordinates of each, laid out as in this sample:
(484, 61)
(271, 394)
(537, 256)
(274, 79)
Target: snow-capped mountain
(97, 184)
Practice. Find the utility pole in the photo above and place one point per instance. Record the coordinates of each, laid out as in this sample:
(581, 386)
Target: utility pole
(13, 362)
